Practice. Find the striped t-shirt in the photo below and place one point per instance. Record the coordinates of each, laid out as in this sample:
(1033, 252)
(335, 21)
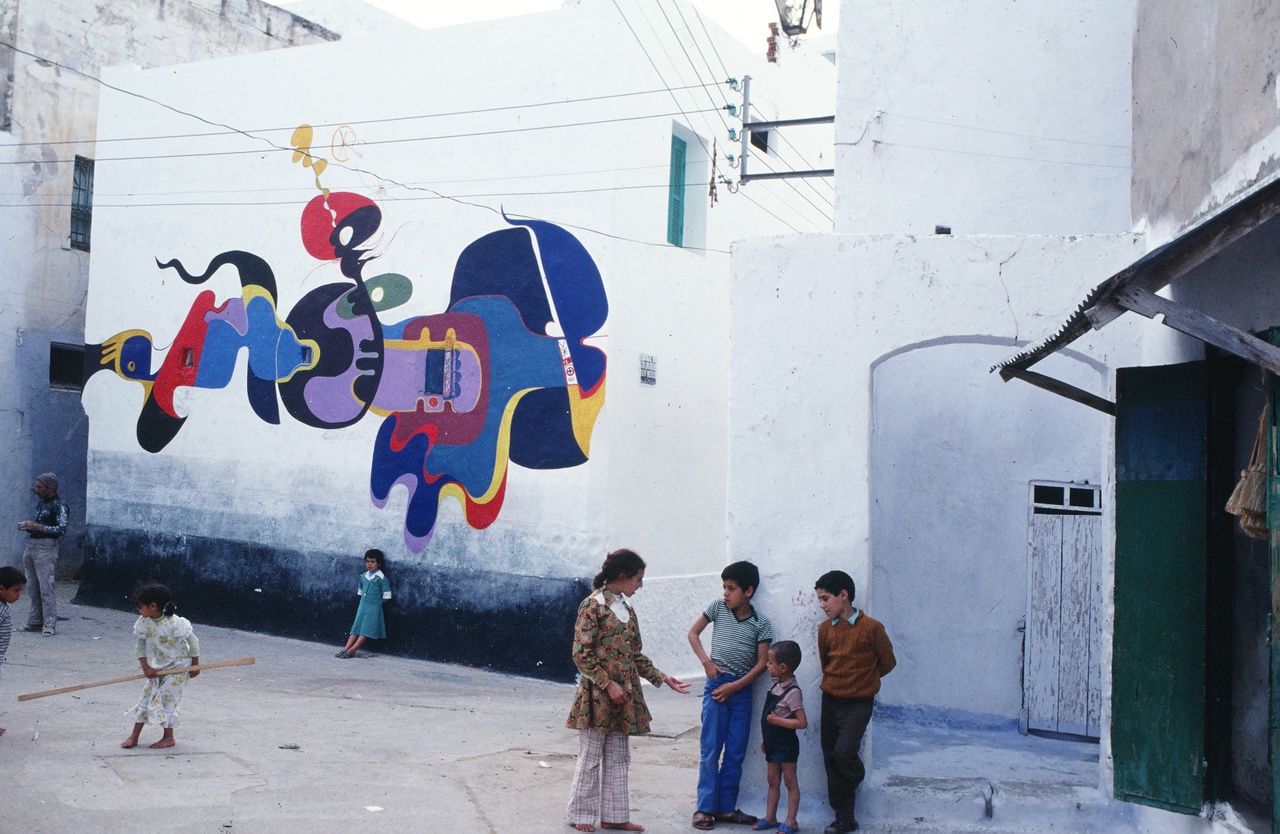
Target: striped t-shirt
(735, 643)
(6, 628)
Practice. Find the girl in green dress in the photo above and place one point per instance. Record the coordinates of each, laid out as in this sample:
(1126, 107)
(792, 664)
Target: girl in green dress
(375, 589)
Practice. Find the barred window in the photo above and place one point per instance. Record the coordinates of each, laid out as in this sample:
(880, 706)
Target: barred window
(81, 203)
(66, 367)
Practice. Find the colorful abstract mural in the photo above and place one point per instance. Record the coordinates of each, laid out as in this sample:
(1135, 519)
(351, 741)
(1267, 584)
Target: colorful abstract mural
(504, 375)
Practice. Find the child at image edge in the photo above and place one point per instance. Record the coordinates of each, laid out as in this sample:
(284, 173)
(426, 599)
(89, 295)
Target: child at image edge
(782, 715)
(855, 653)
(740, 638)
(165, 641)
(12, 581)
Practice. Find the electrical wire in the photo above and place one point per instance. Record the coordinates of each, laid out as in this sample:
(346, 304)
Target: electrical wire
(689, 58)
(996, 155)
(799, 194)
(311, 189)
(384, 198)
(364, 143)
(792, 167)
(697, 74)
(658, 72)
(358, 122)
(712, 41)
(715, 162)
(810, 166)
(753, 200)
(336, 163)
(253, 28)
(1005, 132)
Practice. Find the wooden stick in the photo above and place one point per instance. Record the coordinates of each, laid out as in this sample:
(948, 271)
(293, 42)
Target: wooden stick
(243, 661)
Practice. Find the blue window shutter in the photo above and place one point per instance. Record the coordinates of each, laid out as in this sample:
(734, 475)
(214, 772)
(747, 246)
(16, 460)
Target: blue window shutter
(81, 203)
(675, 201)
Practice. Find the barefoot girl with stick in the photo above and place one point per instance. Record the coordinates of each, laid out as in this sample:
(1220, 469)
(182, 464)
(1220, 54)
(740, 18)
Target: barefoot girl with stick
(165, 641)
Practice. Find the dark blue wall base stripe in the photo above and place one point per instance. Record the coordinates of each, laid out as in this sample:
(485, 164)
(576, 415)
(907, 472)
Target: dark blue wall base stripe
(517, 624)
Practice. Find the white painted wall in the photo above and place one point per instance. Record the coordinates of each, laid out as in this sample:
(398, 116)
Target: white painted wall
(990, 117)
(434, 113)
(952, 451)
(851, 349)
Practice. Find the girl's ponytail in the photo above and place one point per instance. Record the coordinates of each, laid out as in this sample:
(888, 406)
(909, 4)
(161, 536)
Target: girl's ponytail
(618, 564)
(154, 592)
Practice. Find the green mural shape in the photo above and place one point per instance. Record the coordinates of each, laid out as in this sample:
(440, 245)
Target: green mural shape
(386, 291)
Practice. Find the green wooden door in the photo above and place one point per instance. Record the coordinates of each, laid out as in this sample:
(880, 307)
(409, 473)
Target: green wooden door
(1158, 663)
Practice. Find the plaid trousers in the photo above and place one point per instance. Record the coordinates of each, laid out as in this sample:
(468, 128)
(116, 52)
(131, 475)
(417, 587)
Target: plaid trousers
(600, 791)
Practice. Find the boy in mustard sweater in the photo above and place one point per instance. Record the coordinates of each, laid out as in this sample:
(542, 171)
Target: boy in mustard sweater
(855, 653)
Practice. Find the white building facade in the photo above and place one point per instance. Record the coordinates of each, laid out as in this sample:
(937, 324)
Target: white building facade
(998, 163)
(51, 55)
(547, 377)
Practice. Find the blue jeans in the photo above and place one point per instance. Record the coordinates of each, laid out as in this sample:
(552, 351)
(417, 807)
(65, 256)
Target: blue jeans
(726, 727)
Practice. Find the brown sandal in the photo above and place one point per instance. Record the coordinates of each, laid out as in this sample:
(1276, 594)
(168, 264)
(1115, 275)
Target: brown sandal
(703, 821)
(737, 817)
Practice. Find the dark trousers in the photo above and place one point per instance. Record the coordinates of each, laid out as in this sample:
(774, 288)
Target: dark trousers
(844, 723)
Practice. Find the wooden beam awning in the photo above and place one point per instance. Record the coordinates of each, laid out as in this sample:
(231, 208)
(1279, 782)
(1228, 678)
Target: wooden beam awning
(1134, 289)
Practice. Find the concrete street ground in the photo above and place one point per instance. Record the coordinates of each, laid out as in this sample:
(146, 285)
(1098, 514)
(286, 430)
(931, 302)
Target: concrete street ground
(304, 742)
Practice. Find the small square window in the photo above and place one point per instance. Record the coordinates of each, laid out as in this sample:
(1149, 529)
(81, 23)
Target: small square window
(1076, 498)
(1084, 498)
(760, 140)
(188, 357)
(66, 367)
(1048, 494)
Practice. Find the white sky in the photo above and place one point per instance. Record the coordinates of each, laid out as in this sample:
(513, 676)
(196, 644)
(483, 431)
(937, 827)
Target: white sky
(748, 20)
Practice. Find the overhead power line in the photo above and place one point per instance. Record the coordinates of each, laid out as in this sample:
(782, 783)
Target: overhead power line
(350, 122)
(1006, 132)
(348, 167)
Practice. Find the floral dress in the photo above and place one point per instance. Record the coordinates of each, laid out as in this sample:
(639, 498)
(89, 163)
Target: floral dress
(606, 649)
(165, 643)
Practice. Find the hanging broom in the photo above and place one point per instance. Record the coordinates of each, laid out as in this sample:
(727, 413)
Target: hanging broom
(1249, 499)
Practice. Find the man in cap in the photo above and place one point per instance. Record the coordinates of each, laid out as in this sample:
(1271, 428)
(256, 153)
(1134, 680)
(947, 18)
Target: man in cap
(41, 555)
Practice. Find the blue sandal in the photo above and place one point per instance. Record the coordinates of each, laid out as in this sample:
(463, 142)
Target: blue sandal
(783, 828)
(764, 825)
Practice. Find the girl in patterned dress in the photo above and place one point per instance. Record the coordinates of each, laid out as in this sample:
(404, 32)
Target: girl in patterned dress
(609, 706)
(165, 641)
(374, 590)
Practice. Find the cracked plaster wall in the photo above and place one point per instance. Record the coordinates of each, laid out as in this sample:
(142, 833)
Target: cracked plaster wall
(52, 111)
(820, 327)
(656, 476)
(990, 117)
(1206, 107)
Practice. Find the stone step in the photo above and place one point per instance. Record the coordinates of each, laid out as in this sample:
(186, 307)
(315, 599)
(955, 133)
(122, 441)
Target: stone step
(898, 802)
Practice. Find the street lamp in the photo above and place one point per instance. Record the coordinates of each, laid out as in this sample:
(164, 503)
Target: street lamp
(792, 14)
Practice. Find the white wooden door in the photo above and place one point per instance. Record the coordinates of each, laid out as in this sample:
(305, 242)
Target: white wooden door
(1062, 676)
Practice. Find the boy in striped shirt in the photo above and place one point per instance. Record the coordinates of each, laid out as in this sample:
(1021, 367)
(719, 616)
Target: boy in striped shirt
(740, 638)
